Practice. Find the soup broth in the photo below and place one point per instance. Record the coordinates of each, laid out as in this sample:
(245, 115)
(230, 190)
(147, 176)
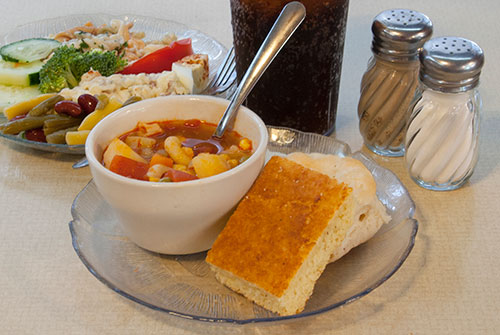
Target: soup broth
(175, 150)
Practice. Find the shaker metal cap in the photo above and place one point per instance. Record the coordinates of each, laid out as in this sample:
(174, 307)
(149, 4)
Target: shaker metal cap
(451, 64)
(400, 33)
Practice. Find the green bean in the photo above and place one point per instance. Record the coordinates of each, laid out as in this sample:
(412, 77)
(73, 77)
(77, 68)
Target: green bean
(29, 122)
(103, 101)
(45, 106)
(59, 137)
(131, 100)
(59, 122)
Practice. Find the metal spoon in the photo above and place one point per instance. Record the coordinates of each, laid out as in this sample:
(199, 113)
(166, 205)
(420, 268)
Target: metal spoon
(81, 163)
(287, 22)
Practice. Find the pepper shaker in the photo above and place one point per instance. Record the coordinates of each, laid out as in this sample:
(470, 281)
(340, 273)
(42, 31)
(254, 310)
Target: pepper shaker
(443, 129)
(389, 84)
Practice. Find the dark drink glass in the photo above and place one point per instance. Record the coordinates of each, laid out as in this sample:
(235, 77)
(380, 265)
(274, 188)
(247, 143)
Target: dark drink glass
(301, 86)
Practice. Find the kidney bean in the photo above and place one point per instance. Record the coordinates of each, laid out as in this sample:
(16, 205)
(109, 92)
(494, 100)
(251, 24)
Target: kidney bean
(211, 146)
(69, 108)
(36, 134)
(204, 147)
(88, 103)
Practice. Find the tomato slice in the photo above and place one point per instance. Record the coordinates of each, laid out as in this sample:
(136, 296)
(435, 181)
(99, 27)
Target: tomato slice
(161, 59)
(130, 168)
(176, 175)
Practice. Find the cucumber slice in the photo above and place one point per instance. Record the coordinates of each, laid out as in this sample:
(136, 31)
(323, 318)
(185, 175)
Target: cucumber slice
(20, 74)
(28, 50)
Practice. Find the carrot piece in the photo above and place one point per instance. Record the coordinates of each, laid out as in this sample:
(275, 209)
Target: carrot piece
(176, 175)
(161, 159)
(130, 168)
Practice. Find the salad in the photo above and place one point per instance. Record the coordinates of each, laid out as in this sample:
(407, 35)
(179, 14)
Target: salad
(74, 78)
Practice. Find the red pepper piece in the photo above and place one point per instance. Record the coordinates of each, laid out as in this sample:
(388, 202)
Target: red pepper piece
(161, 59)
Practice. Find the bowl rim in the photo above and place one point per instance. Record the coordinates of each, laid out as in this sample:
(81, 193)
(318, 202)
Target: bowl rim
(96, 164)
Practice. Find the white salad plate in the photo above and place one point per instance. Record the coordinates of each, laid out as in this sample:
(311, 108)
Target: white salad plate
(152, 27)
(184, 286)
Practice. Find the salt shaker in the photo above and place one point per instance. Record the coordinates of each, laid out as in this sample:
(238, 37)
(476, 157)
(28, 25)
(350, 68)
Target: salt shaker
(442, 135)
(389, 84)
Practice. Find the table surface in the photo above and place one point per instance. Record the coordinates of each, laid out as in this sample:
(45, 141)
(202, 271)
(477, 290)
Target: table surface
(448, 284)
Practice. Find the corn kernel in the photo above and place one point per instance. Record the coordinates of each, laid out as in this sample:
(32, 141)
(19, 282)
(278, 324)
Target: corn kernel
(245, 144)
(154, 179)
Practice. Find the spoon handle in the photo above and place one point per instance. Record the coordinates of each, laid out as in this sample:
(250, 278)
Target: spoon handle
(81, 163)
(289, 19)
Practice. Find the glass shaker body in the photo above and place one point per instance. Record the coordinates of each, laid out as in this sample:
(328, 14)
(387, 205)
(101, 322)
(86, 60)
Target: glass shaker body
(389, 84)
(443, 129)
(442, 138)
(387, 90)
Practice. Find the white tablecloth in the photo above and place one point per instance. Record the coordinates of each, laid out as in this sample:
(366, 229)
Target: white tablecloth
(448, 285)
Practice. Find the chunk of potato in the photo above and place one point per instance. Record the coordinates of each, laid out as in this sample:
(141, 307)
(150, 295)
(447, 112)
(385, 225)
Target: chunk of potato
(120, 148)
(206, 165)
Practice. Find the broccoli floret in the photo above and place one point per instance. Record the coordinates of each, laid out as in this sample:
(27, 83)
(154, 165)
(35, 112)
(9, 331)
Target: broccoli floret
(105, 62)
(67, 65)
(56, 74)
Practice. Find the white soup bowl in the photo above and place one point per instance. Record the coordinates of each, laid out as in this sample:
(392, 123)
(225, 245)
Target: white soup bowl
(183, 217)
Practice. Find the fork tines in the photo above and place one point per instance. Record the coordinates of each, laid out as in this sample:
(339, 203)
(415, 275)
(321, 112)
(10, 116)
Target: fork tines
(225, 72)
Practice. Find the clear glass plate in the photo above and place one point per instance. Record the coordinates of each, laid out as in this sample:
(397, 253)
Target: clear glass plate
(154, 29)
(184, 286)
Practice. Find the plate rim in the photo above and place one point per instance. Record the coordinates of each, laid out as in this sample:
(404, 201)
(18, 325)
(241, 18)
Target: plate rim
(188, 316)
(410, 220)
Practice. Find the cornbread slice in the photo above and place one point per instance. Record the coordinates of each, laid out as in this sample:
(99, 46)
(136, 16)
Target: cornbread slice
(281, 236)
(369, 213)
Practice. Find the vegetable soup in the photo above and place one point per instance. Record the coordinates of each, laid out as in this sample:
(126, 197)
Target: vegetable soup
(174, 151)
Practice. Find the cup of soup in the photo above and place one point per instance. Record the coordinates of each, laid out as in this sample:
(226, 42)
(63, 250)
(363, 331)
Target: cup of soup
(171, 192)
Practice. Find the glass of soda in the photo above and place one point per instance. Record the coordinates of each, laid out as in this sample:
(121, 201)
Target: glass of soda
(301, 86)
